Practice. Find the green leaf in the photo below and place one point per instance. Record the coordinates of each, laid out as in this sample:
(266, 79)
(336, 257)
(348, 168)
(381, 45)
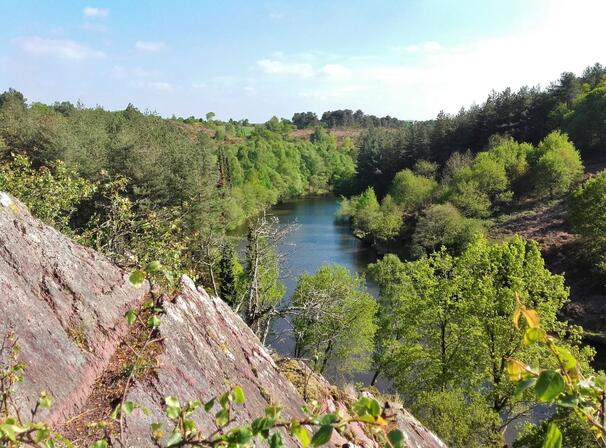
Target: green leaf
(154, 266)
(321, 436)
(136, 278)
(549, 385)
(116, 412)
(273, 411)
(42, 434)
(396, 438)
(238, 395)
(222, 417)
(374, 408)
(533, 334)
(361, 406)
(128, 407)
(189, 426)
(175, 438)
(262, 424)
(523, 385)
(565, 357)
(553, 438)
(302, 434)
(240, 436)
(131, 316)
(153, 321)
(172, 401)
(224, 399)
(100, 444)
(45, 401)
(173, 412)
(209, 405)
(569, 401)
(328, 419)
(275, 441)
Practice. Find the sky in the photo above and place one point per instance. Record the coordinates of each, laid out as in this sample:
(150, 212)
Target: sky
(256, 59)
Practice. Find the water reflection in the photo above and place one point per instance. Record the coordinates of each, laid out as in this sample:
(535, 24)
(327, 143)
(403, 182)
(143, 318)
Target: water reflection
(317, 240)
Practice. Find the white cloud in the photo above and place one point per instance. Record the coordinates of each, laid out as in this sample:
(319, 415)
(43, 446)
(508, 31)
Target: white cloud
(273, 67)
(59, 48)
(90, 11)
(336, 71)
(425, 47)
(301, 69)
(160, 86)
(449, 76)
(150, 46)
(121, 72)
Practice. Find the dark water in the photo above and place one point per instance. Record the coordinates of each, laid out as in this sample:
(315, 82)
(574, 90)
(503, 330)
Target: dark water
(318, 239)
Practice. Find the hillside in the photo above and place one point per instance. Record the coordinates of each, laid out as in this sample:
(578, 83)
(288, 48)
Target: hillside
(66, 305)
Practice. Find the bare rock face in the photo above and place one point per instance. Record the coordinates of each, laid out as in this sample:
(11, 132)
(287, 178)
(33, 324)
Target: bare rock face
(66, 304)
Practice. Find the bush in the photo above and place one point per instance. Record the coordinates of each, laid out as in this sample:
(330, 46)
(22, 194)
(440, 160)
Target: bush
(558, 165)
(443, 225)
(412, 191)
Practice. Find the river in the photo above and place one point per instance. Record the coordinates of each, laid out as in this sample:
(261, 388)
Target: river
(318, 239)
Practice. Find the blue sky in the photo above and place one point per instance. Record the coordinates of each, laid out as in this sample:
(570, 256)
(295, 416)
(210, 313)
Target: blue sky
(407, 58)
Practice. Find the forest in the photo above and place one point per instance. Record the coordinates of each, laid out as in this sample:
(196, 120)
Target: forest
(469, 328)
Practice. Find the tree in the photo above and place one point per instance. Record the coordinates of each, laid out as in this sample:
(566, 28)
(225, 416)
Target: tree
(229, 271)
(210, 116)
(262, 288)
(587, 212)
(334, 319)
(445, 322)
(443, 225)
(412, 191)
(585, 122)
(558, 165)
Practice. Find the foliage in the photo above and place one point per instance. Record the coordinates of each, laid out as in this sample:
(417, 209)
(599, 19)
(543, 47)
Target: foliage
(371, 220)
(565, 382)
(445, 322)
(573, 429)
(443, 225)
(412, 191)
(261, 289)
(587, 212)
(584, 119)
(333, 319)
(558, 165)
(52, 193)
(460, 420)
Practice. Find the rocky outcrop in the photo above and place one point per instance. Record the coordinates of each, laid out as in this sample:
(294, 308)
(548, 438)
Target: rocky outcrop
(66, 304)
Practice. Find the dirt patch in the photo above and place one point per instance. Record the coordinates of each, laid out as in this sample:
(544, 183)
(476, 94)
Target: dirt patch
(339, 134)
(94, 421)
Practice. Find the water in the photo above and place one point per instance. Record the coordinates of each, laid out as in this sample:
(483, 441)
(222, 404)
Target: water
(318, 239)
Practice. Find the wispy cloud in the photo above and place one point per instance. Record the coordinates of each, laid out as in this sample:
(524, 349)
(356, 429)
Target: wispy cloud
(150, 46)
(91, 11)
(121, 72)
(160, 86)
(425, 47)
(302, 69)
(59, 48)
(336, 71)
(274, 67)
